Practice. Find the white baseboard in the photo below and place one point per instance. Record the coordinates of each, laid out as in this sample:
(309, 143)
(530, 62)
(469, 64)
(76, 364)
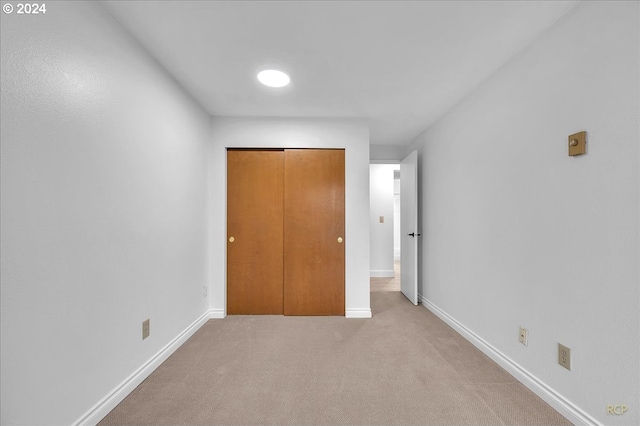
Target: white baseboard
(382, 273)
(565, 407)
(216, 314)
(358, 313)
(109, 402)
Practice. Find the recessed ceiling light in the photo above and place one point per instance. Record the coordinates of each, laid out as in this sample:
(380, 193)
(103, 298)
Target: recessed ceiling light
(273, 78)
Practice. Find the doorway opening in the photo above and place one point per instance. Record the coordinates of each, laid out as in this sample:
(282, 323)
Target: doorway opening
(385, 228)
(383, 253)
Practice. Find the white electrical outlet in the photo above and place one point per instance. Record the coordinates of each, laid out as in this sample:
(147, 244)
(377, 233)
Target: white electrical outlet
(206, 291)
(524, 336)
(564, 356)
(146, 329)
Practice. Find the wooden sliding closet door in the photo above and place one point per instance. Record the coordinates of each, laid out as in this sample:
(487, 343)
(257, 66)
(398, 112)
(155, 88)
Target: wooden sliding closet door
(255, 190)
(314, 256)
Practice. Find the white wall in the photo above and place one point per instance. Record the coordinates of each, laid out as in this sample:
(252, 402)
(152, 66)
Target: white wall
(381, 234)
(104, 211)
(353, 136)
(396, 218)
(518, 233)
(387, 153)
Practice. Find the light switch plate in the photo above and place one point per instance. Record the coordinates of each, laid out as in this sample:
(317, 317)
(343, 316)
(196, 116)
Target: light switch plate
(577, 144)
(381, 219)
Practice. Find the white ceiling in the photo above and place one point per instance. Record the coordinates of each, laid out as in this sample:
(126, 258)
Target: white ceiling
(399, 64)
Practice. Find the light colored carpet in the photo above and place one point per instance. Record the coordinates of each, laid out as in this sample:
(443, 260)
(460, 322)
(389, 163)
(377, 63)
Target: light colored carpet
(402, 367)
(387, 284)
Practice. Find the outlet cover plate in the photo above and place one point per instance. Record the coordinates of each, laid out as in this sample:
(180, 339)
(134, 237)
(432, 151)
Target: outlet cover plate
(524, 336)
(145, 329)
(564, 356)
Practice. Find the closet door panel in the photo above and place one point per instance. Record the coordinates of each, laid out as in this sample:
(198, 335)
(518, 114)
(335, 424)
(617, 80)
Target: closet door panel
(314, 255)
(255, 211)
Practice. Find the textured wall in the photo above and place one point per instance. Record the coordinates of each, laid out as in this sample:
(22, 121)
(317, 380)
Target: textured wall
(518, 233)
(104, 211)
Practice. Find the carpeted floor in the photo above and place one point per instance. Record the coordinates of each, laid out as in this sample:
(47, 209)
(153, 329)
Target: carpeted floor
(402, 367)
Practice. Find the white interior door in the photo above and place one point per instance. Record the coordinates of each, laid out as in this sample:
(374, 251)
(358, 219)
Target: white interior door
(409, 227)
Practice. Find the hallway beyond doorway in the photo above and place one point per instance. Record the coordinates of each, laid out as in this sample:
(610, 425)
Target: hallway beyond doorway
(387, 284)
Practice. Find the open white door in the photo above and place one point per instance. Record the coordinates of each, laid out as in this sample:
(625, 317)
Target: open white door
(409, 227)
